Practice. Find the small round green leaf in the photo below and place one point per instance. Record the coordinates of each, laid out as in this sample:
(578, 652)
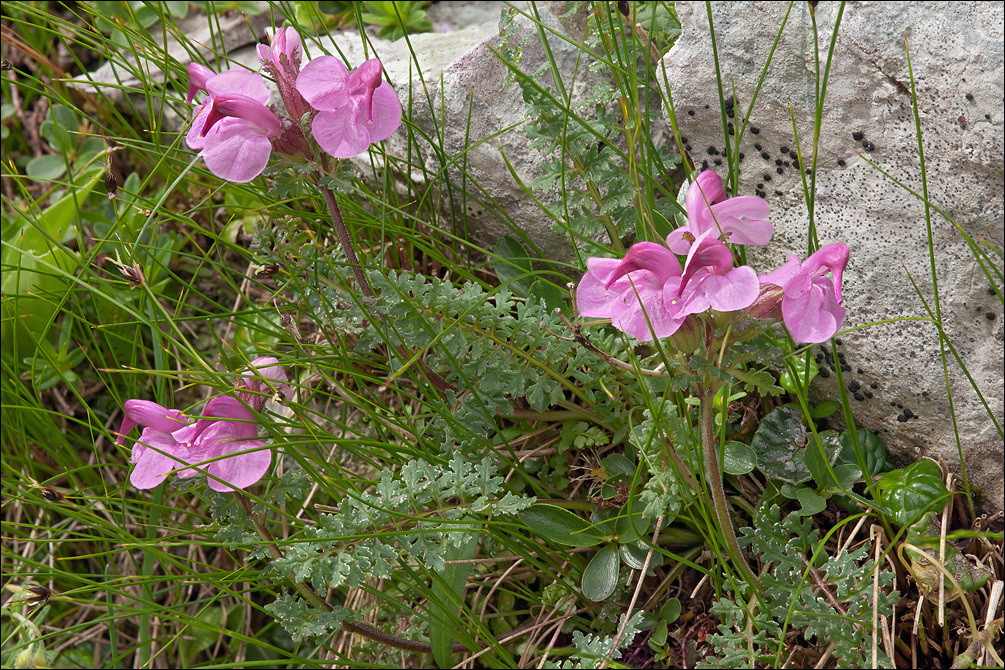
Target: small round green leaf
(738, 459)
(561, 526)
(601, 574)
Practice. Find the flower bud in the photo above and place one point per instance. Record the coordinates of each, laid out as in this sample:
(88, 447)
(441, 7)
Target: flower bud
(768, 304)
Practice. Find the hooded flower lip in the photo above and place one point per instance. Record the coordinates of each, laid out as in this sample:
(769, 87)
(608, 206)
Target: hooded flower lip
(812, 305)
(740, 220)
(355, 109)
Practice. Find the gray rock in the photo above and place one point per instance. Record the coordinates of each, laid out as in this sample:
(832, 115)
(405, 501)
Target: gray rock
(957, 58)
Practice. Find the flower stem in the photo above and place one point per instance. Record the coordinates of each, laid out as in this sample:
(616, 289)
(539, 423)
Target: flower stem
(346, 240)
(714, 475)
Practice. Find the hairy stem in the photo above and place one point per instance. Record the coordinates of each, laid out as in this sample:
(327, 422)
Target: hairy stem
(714, 475)
(345, 240)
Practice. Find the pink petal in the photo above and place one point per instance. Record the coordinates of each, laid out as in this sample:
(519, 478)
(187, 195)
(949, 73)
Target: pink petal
(239, 471)
(741, 220)
(245, 108)
(676, 241)
(152, 455)
(785, 273)
(640, 311)
(238, 81)
(815, 316)
(705, 190)
(340, 133)
(386, 114)
(322, 82)
(238, 151)
(592, 299)
(737, 289)
(707, 252)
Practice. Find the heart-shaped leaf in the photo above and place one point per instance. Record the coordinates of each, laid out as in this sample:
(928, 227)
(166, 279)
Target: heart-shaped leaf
(910, 492)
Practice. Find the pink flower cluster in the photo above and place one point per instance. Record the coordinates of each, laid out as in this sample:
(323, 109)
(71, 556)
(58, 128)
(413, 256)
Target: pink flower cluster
(235, 130)
(647, 294)
(226, 431)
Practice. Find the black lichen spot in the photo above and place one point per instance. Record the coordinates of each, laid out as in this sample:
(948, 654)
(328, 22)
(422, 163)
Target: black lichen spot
(741, 155)
(901, 418)
(809, 171)
(845, 368)
(868, 394)
(824, 372)
(717, 161)
(729, 113)
(712, 151)
(991, 290)
(704, 165)
(793, 155)
(766, 177)
(900, 406)
(683, 140)
(909, 414)
(760, 187)
(779, 170)
(874, 385)
(690, 112)
(765, 155)
(757, 146)
(784, 150)
(778, 193)
(861, 371)
(989, 316)
(970, 97)
(857, 136)
(754, 130)
(706, 106)
(854, 386)
(841, 162)
(730, 127)
(687, 147)
(859, 397)
(778, 161)
(868, 146)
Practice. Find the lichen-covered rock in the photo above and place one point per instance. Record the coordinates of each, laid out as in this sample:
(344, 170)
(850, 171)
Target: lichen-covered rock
(957, 56)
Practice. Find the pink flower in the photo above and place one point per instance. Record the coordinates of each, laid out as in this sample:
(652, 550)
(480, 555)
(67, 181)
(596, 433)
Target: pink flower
(646, 295)
(812, 306)
(227, 432)
(634, 293)
(354, 110)
(233, 127)
(739, 220)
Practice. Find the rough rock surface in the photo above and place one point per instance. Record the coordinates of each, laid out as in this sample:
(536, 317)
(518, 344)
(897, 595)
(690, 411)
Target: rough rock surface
(957, 56)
